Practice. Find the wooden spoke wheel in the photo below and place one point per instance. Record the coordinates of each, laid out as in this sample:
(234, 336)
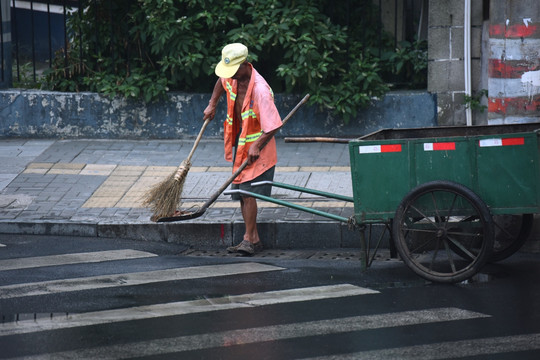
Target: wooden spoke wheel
(443, 231)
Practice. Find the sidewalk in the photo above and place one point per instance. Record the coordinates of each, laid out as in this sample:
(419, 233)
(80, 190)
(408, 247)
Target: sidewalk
(94, 188)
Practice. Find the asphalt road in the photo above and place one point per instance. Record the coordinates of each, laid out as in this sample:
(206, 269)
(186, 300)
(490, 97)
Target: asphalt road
(91, 298)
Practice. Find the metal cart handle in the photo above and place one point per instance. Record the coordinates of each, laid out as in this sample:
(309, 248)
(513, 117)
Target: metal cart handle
(306, 190)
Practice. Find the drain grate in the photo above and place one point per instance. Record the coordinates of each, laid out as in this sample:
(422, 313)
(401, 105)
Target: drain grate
(270, 253)
(312, 254)
(336, 255)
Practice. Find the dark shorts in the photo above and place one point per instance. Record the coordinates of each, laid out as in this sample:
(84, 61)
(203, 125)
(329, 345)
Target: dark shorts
(265, 190)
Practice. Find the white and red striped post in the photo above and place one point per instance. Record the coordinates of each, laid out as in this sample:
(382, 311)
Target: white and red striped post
(514, 62)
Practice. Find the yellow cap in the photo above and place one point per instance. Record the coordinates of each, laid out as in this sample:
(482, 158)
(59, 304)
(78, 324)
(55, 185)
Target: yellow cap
(232, 56)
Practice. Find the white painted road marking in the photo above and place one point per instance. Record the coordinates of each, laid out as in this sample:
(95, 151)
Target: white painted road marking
(449, 350)
(268, 333)
(183, 308)
(77, 258)
(462, 348)
(129, 279)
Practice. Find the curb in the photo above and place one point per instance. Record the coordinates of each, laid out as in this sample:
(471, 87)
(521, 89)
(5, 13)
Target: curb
(208, 235)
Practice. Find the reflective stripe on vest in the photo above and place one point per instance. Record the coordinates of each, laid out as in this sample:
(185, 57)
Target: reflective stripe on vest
(229, 88)
(229, 120)
(249, 113)
(249, 138)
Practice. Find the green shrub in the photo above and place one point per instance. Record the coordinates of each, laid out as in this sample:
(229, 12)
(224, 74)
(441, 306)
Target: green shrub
(142, 49)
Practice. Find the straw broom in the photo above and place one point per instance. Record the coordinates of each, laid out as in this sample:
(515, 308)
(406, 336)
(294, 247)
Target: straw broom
(163, 198)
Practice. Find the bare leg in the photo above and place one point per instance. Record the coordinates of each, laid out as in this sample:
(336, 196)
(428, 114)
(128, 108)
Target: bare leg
(248, 206)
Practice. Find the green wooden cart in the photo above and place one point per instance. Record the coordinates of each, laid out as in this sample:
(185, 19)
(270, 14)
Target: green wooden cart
(454, 198)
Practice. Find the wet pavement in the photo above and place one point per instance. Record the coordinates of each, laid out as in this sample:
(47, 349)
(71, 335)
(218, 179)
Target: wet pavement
(96, 298)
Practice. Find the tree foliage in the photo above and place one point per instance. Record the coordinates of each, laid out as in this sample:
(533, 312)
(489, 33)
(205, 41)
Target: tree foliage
(144, 48)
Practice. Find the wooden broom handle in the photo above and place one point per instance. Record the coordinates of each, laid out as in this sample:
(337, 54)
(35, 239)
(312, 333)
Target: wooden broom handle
(317, 139)
(206, 122)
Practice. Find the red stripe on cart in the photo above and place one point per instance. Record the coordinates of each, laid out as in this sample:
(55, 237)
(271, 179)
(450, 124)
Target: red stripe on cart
(513, 141)
(442, 146)
(502, 142)
(376, 149)
(391, 148)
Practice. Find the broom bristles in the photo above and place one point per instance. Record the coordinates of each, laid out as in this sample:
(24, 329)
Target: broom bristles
(164, 197)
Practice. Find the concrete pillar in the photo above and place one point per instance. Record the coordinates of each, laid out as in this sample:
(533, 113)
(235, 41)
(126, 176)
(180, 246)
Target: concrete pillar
(514, 62)
(5, 44)
(446, 76)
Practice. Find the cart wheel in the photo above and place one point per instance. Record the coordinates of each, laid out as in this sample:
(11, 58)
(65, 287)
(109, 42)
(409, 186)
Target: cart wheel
(511, 232)
(437, 217)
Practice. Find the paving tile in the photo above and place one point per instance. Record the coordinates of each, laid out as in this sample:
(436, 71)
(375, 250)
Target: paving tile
(98, 169)
(315, 168)
(129, 202)
(36, 165)
(287, 169)
(64, 171)
(198, 169)
(341, 168)
(35, 171)
(70, 166)
(220, 169)
(129, 170)
(226, 205)
(161, 171)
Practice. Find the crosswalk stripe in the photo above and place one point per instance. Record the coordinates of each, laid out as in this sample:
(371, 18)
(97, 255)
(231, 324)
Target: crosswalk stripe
(129, 279)
(76, 258)
(184, 307)
(267, 333)
(448, 350)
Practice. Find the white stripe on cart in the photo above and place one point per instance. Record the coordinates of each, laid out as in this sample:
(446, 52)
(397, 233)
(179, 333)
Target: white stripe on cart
(376, 149)
(501, 142)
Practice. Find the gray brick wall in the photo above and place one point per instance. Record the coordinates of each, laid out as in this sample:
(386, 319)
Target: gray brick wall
(446, 58)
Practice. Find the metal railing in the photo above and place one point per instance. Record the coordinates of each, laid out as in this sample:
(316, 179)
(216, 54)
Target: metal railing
(38, 31)
(5, 41)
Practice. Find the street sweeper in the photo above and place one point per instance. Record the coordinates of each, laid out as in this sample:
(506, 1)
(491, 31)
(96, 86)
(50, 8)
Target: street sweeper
(252, 119)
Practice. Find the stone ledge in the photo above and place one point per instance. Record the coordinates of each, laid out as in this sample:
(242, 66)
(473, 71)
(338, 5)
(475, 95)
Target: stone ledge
(46, 114)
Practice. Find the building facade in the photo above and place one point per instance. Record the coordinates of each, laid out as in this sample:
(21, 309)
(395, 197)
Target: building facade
(484, 61)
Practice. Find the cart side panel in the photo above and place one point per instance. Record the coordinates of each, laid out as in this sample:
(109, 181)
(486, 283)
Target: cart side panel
(444, 159)
(380, 178)
(500, 164)
(508, 172)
